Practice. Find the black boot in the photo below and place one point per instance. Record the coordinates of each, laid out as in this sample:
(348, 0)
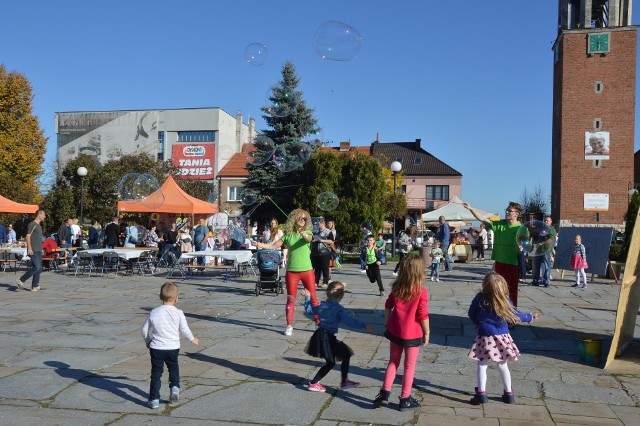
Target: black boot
(479, 398)
(408, 403)
(381, 399)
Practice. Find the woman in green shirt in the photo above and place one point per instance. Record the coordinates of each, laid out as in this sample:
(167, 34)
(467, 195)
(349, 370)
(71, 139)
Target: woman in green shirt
(297, 238)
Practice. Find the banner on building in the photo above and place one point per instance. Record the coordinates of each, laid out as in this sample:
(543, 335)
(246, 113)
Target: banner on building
(196, 161)
(596, 202)
(106, 135)
(596, 145)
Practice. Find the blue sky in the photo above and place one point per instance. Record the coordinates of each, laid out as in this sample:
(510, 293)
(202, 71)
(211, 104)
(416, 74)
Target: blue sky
(472, 79)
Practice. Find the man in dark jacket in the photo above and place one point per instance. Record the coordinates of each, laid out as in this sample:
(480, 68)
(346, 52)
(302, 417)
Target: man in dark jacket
(94, 235)
(112, 233)
(64, 234)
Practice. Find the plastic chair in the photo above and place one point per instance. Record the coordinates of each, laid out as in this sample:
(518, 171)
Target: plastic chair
(83, 262)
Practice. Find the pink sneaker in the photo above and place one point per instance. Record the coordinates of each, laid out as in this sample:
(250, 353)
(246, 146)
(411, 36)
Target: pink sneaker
(348, 384)
(316, 387)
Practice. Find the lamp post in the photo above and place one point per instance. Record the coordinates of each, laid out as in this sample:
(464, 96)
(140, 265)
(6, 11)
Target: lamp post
(82, 172)
(396, 166)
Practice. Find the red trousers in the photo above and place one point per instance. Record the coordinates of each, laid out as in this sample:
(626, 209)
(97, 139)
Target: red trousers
(512, 276)
(292, 279)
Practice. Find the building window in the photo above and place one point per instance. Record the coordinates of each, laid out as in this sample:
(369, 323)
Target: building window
(417, 160)
(598, 87)
(197, 136)
(403, 189)
(234, 193)
(399, 160)
(160, 146)
(597, 124)
(436, 194)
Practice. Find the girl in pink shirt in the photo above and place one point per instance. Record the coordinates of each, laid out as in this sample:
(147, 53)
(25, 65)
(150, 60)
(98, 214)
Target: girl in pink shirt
(407, 328)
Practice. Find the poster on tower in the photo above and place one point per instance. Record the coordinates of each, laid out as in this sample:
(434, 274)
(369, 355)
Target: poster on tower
(596, 145)
(195, 160)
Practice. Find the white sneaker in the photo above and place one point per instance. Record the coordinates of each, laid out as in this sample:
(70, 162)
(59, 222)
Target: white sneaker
(288, 331)
(363, 271)
(20, 284)
(438, 280)
(433, 279)
(395, 274)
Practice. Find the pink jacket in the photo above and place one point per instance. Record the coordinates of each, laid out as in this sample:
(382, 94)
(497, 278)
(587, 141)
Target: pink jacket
(404, 324)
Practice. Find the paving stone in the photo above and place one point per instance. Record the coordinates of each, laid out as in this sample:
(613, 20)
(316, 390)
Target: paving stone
(43, 416)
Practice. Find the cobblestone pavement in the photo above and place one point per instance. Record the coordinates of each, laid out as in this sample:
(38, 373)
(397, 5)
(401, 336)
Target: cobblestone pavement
(73, 354)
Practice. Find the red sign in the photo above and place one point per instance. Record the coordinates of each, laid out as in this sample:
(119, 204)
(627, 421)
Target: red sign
(195, 161)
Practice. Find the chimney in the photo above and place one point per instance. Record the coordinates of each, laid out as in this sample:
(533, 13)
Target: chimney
(417, 145)
(345, 146)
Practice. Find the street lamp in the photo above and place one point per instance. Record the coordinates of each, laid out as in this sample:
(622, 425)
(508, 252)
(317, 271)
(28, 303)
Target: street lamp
(82, 172)
(396, 166)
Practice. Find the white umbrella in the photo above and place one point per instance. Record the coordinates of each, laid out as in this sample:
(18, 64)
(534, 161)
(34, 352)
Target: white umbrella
(454, 210)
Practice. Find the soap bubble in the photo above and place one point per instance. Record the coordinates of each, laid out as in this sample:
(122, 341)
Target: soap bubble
(249, 197)
(315, 139)
(153, 201)
(536, 238)
(212, 199)
(327, 201)
(128, 189)
(262, 150)
(291, 155)
(366, 225)
(281, 101)
(255, 54)
(337, 41)
(225, 152)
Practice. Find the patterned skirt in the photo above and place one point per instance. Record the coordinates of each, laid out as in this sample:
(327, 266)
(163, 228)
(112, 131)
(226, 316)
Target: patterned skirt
(325, 345)
(494, 348)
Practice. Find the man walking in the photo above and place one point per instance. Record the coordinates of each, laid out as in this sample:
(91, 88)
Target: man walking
(544, 260)
(444, 235)
(34, 250)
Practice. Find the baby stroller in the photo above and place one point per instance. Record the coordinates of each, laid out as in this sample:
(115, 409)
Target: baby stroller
(269, 269)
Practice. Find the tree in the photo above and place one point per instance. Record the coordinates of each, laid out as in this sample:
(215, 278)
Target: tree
(289, 120)
(630, 222)
(359, 183)
(534, 202)
(22, 142)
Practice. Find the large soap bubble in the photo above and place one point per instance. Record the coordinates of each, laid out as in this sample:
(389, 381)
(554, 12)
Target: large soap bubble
(262, 150)
(536, 238)
(337, 41)
(255, 54)
(291, 156)
(249, 197)
(327, 201)
(128, 188)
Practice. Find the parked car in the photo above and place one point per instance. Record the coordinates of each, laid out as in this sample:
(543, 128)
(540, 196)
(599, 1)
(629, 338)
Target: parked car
(617, 237)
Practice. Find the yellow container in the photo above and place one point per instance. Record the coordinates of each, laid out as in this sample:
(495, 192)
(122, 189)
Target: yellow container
(590, 349)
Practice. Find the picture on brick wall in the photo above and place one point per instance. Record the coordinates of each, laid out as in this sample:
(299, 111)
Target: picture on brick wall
(596, 145)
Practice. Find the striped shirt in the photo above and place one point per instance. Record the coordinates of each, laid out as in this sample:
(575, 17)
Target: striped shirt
(163, 327)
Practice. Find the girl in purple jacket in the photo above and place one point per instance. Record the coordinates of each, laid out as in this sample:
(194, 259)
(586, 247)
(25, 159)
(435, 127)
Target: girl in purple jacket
(492, 312)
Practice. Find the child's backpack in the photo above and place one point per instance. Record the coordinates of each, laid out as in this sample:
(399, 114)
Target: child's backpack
(142, 234)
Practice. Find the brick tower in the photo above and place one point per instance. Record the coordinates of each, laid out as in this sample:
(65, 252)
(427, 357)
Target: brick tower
(594, 86)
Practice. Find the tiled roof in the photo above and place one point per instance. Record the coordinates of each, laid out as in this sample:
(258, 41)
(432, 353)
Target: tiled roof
(235, 167)
(426, 165)
(364, 150)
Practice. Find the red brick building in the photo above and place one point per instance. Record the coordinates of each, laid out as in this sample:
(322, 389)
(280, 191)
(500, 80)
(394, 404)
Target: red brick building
(594, 88)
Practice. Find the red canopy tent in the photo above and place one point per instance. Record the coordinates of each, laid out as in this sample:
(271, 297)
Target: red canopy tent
(170, 198)
(8, 206)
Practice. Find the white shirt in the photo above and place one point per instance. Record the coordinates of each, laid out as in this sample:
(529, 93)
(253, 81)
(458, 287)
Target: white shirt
(75, 232)
(163, 327)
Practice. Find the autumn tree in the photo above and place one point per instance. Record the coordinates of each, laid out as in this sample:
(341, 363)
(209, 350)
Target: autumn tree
(534, 202)
(22, 142)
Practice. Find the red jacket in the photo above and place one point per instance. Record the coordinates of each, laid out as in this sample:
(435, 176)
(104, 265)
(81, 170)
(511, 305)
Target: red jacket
(48, 245)
(404, 326)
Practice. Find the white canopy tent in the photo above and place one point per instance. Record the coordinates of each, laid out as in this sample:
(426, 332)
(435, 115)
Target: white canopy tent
(453, 211)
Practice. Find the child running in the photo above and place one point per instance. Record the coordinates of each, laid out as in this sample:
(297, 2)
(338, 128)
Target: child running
(370, 260)
(579, 262)
(436, 256)
(407, 323)
(161, 332)
(323, 342)
(491, 311)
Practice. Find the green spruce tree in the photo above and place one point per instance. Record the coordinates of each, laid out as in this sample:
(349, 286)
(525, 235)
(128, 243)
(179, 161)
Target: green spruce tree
(289, 120)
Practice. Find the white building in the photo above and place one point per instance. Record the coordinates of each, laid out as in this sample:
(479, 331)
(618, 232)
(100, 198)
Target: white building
(198, 140)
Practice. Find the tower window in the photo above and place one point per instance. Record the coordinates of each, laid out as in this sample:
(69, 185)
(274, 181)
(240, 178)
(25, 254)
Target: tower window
(597, 124)
(598, 87)
(597, 164)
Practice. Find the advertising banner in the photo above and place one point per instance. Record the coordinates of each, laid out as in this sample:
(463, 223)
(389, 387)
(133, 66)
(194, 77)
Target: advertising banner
(196, 161)
(596, 145)
(106, 135)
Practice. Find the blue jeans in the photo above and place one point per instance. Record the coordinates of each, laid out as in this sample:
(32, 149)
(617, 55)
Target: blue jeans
(445, 256)
(160, 357)
(537, 263)
(200, 247)
(35, 268)
(435, 270)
